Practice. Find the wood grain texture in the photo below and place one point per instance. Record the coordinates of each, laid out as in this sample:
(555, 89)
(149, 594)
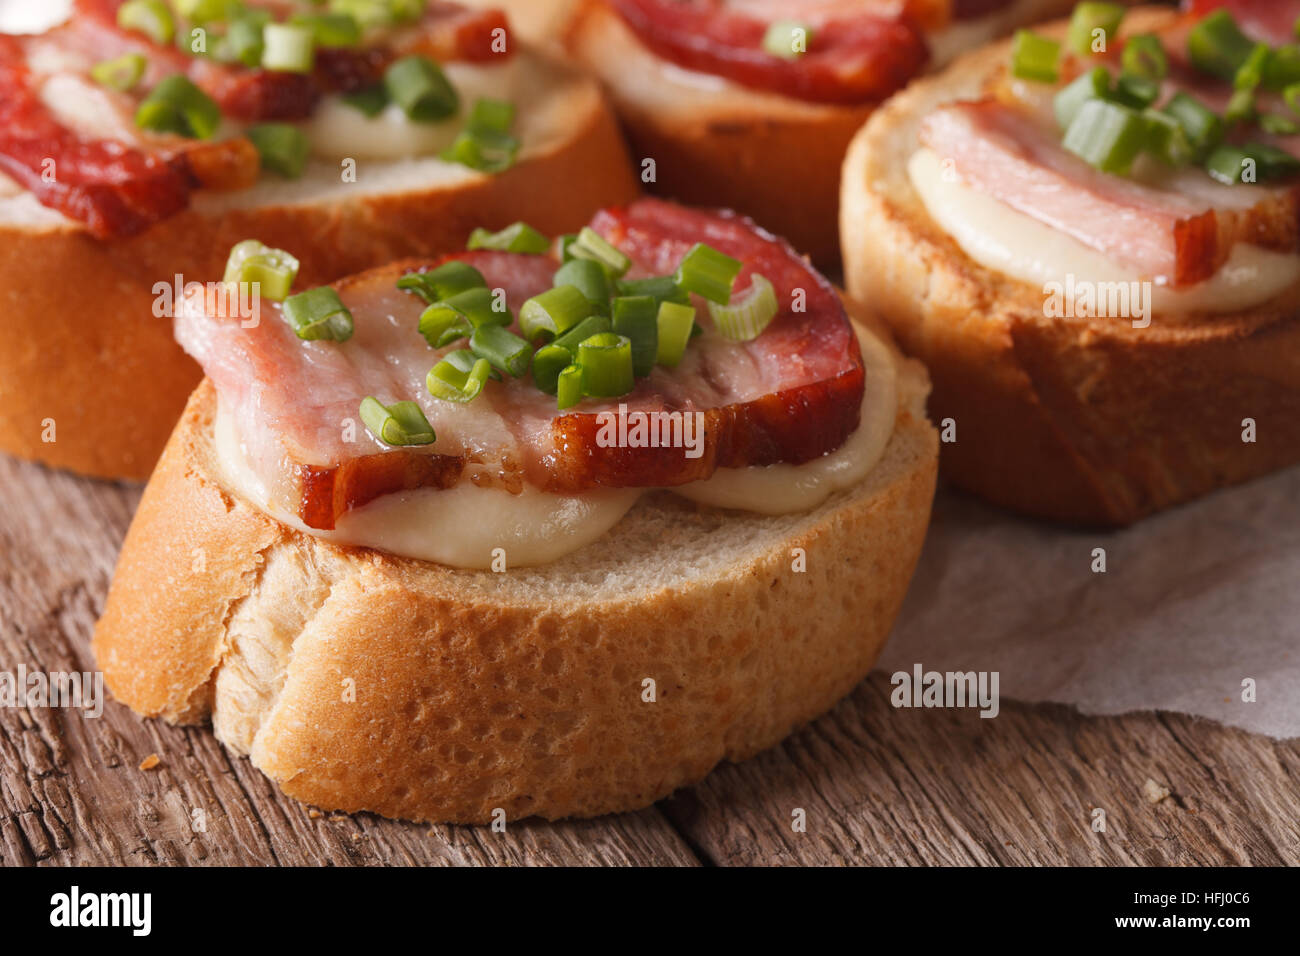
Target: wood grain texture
(878, 785)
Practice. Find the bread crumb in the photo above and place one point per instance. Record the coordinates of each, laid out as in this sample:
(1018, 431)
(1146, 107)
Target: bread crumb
(1154, 792)
(149, 762)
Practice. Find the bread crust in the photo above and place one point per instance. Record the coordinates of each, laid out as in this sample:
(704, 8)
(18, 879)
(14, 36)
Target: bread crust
(1082, 420)
(523, 690)
(83, 349)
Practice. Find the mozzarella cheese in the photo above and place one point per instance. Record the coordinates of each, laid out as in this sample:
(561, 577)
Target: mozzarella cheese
(464, 526)
(1008, 241)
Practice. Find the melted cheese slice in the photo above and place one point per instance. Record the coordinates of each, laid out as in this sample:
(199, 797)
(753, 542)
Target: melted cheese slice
(1007, 241)
(464, 526)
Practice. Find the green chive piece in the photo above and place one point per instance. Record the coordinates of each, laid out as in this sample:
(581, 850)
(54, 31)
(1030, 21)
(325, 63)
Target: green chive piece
(1089, 18)
(462, 313)
(747, 317)
(318, 314)
(1291, 95)
(1282, 68)
(1240, 108)
(421, 89)
(1250, 74)
(660, 288)
(283, 148)
(288, 48)
(1035, 57)
(568, 388)
(635, 318)
(588, 277)
(787, 39)
(548, 362)
(1092, 85)
(708, 272)
(459, 377)
(443, 282)
(1278, 125)
(483, 150)
(1202, 127)
(502, 348)
(517, 237)
(1144, 55)
(606, 363)
(1135, 91)
(675, 322)
(566, 242)
(1166, 139)
(592, 245)
(153, 18)
(1217, 45)
(244, 37)
(270, 271)
(1229, 164)
(330, 29)
(591, 325)
(177, 106)
(370, 101)
(120, 73)
(552, 312)
(402, 423)
(494, 115)
(201, 11)
(443, 324)
(1106, 135)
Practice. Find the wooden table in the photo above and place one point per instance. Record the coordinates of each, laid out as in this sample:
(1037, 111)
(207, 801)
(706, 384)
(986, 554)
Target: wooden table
(878, 785)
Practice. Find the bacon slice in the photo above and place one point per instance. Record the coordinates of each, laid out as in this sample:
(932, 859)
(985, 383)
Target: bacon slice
(852, 58)
(1183, 239)
(1269, 21)
(792, 394)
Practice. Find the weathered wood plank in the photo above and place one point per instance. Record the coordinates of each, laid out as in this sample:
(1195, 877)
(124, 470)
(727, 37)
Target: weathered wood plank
(72, 793)
(888, 786)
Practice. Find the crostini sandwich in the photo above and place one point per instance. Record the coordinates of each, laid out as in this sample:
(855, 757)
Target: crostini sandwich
(752, 103)
(1089, 236)
(140, 138)
(548, 531)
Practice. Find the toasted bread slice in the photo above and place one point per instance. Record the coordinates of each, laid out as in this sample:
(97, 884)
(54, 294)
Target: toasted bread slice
(1083, 420)
(362, 681)
(91, 378)
(715, 143)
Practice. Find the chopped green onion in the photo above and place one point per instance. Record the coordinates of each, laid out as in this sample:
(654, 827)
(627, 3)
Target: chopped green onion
(1092, 85)
(566, 242)
(1090, 17)
(1228, 164)
(1201, 125)
(442, 324)
(747, 317)
(201, 11)
(1144, 55)
(370, 101)
(464, 312)
(1278, 125)
(330, 29)
(1282, 68)
(150, 17)
(708, 272)
(606, 363)
(787, 39)
(675, 322)
(483, 150)
(270, 271)
(421, 89)
(552, 312)
(402, 423)
(495, 115)
(1271, 162)
(459, 377)
(1240, 108)
(283, 148)
(244, 37)
(1035, 57)
(1166, 139)
(1291, 95)
(176, 105)
(288, 48)
(440, 284)
(318, 314)
(1250, 74)
(568, 389)
(1106, 135)
(1217, 45)
(634, 317)
(591, 325)
(120, 73)
(592, 245)
(661, 288)
(519, 237)
(548, 362)
(505, 350)
(589, 278)
(1135, 91)
(379, 13)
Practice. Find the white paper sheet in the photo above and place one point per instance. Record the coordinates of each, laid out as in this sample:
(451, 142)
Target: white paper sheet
(1192, 602)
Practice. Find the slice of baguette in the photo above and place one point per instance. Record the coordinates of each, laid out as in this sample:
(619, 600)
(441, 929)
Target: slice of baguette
(715, 143)
(92, 380)
(361, 681)
(1082, 420)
